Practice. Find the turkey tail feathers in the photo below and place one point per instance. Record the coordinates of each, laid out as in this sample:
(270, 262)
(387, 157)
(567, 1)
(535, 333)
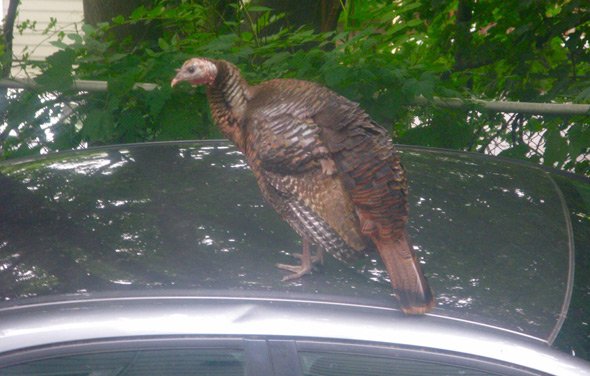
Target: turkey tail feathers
(406, 275)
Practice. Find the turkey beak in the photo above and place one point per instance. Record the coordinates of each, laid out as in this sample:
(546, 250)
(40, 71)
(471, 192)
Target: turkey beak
(176, 79)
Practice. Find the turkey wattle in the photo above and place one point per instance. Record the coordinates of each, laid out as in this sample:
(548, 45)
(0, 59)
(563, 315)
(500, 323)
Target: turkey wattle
(323, 165)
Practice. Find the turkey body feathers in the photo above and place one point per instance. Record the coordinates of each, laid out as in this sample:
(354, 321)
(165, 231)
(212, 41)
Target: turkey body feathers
(323, 165)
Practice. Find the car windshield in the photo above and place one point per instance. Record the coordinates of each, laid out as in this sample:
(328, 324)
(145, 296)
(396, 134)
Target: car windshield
(493, 236)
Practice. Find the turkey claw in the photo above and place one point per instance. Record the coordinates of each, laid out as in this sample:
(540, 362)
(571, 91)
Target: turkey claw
(307, 262)
(297, 270)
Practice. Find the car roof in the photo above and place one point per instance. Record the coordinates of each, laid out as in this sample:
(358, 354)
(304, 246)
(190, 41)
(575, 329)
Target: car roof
(495, 237)
(87, 324)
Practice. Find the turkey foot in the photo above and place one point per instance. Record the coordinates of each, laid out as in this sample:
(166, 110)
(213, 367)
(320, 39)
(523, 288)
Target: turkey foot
(307, 261)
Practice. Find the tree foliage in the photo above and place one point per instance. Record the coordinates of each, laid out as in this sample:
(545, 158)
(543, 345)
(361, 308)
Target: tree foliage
(382, 54)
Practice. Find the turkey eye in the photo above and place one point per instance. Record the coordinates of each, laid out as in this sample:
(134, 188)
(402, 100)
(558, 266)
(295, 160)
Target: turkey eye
(191, 69)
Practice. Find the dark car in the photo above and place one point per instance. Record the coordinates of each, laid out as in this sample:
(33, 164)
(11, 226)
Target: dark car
(159, 259)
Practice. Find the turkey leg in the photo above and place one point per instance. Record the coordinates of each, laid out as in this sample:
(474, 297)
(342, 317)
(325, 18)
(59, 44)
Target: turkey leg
(307, 261)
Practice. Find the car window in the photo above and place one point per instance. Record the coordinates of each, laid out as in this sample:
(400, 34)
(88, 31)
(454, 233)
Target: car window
(342, 364)
(131, 363)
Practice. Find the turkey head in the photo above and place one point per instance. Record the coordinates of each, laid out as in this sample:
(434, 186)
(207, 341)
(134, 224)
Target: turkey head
(326, 168)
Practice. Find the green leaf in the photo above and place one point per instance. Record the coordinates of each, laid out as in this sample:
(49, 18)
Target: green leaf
(118, 20)
(535, 124)
(334, 77)
(556, 147)
(88, 29)
(277, 58)
(156, 99)
(65, 137)
(58, 75)
(579, 139)
(182, 118)
(138, 13)
(408, 6)
(247, 36)
(156, 11)
(518, 152)
(223, 43)
(584, 95)
(131, 126)
(97, 126)
(410, 87)
(163, 44)
(59, 44)
(258, 8)
(553, 10)
(414, 23)
(77, 38)
(425, 86)
(417, 136)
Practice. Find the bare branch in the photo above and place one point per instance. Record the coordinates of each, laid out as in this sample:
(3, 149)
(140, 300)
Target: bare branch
(565, 109)
(509, 107)
(82, 85)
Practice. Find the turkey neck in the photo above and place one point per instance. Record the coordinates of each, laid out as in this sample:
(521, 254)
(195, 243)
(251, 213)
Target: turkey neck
(228, 97)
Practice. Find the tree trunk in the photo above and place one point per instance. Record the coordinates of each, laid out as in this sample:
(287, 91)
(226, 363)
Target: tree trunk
(7, 34)
(463, 34)
(6, 61)
(321, 15)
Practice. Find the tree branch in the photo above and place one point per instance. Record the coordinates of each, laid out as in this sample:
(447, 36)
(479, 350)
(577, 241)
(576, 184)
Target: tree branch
(82, 85)
(567, 109)
(8, 33)
(508, 106)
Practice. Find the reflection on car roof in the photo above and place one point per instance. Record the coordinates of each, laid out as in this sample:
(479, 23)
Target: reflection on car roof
(493, 236)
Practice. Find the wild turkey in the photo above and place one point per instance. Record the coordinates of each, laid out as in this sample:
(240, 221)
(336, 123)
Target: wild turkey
(323, 165)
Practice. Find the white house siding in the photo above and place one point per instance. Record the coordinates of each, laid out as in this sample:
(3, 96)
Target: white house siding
(68, 13)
